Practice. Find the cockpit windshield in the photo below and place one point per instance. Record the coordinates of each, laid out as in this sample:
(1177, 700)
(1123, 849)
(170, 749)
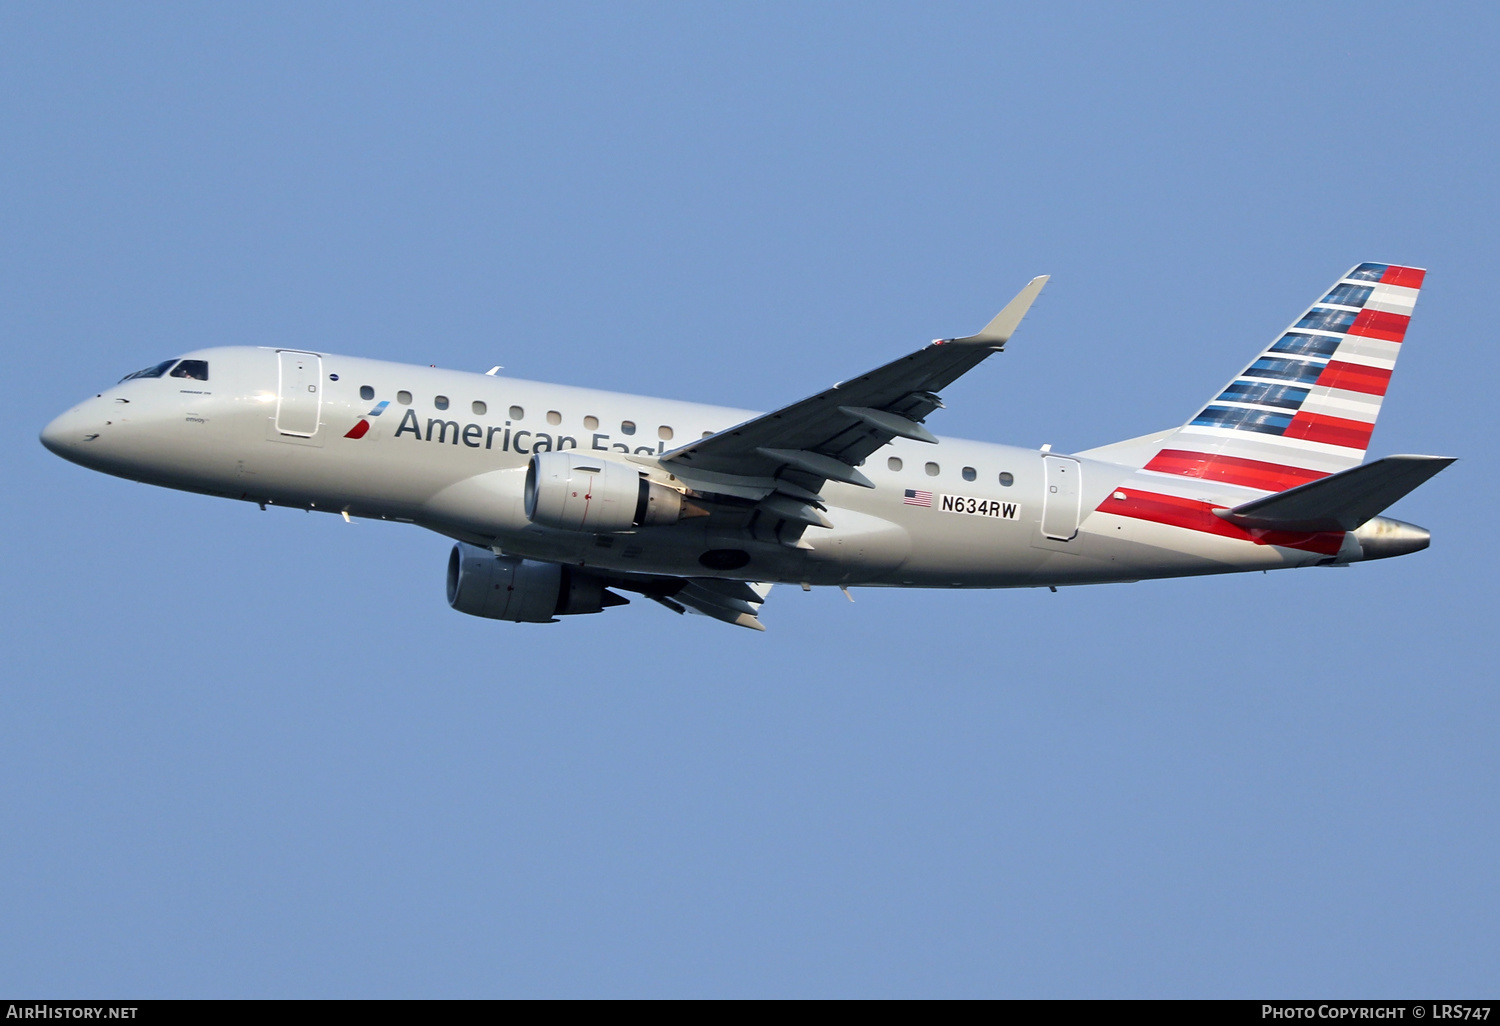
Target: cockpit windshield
(151, 372)
(195, 369)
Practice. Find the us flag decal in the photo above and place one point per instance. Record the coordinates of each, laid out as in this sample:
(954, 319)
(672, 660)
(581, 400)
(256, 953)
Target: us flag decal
(914, 497)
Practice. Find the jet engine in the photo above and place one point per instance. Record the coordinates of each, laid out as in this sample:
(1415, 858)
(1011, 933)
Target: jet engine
(578, 492)
(481, 583)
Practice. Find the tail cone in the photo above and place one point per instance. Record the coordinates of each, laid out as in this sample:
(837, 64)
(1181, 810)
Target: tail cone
(1382, 537)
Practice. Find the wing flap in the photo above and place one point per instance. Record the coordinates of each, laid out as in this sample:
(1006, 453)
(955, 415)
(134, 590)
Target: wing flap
(829, 468)
(894, 423)
(736, 602)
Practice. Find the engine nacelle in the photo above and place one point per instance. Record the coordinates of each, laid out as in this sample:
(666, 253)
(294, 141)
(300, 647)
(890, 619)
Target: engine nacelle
(578, 492)
(481, 583)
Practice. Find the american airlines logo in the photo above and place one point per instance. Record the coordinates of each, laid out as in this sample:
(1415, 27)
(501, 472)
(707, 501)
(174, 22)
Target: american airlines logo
(362, 427)
(504, 438)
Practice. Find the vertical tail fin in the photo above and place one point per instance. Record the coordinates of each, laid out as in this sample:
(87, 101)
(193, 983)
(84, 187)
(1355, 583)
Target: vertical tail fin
(1307, 405)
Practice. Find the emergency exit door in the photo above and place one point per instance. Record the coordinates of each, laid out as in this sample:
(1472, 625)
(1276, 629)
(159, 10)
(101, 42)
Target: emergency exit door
(300, 394)
(1061, 498)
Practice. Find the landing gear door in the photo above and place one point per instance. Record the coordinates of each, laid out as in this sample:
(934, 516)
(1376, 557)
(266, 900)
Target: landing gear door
(300, 393)
(1061, 496)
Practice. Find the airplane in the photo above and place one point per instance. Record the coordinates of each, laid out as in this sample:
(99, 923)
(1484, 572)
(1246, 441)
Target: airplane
(558, 499)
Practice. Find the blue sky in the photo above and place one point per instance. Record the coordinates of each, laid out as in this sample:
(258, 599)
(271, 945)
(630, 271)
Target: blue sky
(255, 754)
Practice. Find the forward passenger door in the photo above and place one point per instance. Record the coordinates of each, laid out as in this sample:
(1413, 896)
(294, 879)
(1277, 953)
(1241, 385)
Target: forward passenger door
(299, 401)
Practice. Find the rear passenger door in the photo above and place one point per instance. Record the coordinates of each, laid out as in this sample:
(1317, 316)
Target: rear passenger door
(1061, 499)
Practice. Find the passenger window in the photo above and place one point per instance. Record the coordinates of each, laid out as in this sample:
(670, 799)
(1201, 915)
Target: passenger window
(151, 372)
(664, 433)
(969, 474)
(627, 427)
(403, 397)
(195, 369)
(1007, 479)
(479, 408)
(441, 402)
(894, 463)
(516, 413)
(366, 392)
(591, 422)
(553, 417)
(932, 469)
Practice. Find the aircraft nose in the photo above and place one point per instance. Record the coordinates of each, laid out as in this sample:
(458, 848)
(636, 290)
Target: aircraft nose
(68, 432)
(54, 433)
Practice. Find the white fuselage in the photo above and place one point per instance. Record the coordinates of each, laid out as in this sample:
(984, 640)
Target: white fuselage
(460, 470)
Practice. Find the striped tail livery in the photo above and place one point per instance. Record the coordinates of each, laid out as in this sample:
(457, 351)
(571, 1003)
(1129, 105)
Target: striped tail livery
(1306, 406)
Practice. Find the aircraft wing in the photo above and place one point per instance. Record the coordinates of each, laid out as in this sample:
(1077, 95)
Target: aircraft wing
(826, 436)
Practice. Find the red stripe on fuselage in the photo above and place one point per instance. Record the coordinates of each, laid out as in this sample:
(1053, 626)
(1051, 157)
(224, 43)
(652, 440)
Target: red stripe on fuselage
(359, 429)
(1269, 477)
(1378, 324)
(1355, 377)
(1406, 277)
(1196, 515)
(1315, 427)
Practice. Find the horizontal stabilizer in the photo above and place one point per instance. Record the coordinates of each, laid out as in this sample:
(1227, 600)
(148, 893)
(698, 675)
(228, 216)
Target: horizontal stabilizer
(1340, 502)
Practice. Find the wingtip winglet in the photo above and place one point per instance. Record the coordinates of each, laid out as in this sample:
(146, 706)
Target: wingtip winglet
(1004, 324)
